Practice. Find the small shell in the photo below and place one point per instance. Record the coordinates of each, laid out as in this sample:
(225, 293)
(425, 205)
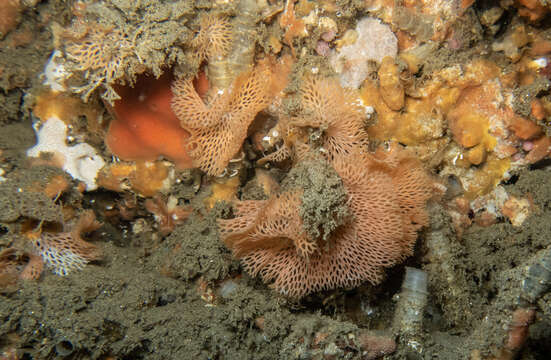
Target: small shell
(326, 24)
(349, 38)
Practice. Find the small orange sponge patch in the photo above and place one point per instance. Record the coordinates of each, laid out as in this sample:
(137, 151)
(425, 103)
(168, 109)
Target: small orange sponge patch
(144, 126)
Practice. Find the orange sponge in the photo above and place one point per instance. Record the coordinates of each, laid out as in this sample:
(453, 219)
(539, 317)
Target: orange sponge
(144, 126)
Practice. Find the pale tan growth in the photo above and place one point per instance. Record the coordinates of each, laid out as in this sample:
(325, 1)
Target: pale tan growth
(100, 54)
(219, 126)
(67, 251)
(388, 207)
(214, 38)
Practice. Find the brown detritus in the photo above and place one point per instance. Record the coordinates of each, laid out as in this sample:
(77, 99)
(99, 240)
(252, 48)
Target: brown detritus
(10, 11)
(518, 329)
(375, 346)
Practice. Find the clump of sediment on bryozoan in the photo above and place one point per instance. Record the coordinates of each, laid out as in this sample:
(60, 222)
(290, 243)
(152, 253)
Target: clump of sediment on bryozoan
(386, 195)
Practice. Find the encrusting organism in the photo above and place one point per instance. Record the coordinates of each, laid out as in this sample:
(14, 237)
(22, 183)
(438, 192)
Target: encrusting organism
(67, 251)
(239, 89)
(219, 126)
(257, 221)
(337, 112)
(386, 193)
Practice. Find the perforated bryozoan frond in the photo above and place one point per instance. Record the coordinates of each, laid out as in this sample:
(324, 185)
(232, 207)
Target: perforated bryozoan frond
(337, 112)
(66, 251)
(387, 201)
(219, 127)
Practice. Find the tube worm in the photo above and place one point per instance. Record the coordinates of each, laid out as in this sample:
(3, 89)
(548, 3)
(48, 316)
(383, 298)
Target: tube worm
(222, 70)
(410, 309)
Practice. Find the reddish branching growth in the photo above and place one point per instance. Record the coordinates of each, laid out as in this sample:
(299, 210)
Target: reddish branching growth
(386, 195)
(214, 37)
(167, 212)
(67, 251)
(219, 126)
